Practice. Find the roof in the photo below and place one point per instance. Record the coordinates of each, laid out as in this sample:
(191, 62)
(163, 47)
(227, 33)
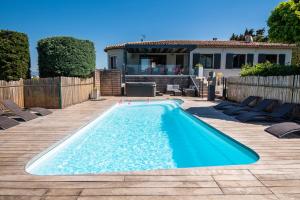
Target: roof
(201, 43)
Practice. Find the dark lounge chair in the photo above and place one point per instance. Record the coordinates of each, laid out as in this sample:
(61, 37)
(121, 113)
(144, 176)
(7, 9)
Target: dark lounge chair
(226, 104)
(37, 110)
(15, 109)
(6, 122)
(285, 130)
(41, 111)
(278, 114)
(261, 106)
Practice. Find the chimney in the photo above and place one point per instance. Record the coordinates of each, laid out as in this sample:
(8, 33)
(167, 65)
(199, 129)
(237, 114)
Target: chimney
(248, 38)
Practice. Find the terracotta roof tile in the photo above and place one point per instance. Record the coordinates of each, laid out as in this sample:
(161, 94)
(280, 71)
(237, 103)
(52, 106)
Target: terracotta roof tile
(206, 43)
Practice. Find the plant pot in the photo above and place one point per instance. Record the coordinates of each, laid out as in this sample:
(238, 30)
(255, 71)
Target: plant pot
(95, 94)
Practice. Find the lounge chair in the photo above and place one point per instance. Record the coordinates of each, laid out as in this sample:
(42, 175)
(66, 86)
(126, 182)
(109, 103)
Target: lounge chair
(278, 114)
(37, 110)
(226, 104)
(41, 111)
(6, 122)
(285, 130)
(14, 108)
(261, 106)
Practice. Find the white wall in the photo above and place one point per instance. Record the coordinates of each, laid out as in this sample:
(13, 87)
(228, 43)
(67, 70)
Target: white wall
(224, 51)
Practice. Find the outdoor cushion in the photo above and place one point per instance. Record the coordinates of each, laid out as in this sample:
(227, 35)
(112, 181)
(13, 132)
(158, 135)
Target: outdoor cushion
(285, 130)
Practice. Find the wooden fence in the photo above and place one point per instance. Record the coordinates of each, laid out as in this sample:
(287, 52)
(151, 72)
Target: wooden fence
(110, 82)
(284, 88)
(12, 90)
(58, 92)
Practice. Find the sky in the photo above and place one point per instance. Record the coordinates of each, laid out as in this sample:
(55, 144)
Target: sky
(107, 22)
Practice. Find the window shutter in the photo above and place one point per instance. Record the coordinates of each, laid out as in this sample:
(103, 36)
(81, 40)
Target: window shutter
(217, 61)
(282, 59)
(261, 58)
(250, 58)
(196, 59)
(229, 61)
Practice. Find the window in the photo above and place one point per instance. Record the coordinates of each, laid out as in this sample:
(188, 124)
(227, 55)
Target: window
(282, 59)
(235, 61)
(113, 62)
(153, 64)
(250, 58)
(272, 58)
(208, 61)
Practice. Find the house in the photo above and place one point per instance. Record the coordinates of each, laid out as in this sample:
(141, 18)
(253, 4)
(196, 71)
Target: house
(174, 57)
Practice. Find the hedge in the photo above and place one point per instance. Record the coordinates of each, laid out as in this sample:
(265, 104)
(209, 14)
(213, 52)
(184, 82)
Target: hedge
(269, 69)
(14, 56)
(66, 56)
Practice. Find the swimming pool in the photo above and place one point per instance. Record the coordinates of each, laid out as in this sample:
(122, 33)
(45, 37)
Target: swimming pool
(142, 135)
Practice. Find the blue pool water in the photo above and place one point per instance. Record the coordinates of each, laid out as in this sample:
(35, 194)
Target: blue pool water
(142, 136)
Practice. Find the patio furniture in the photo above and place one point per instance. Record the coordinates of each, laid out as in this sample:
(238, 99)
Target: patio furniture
(140, 89)
(14, 108)
(261, 106)
(190, 91)
(226, 104)
(278, 114)
(41, 111)
(285, 130)
(37, 110)
(6, 122)
(174, 90)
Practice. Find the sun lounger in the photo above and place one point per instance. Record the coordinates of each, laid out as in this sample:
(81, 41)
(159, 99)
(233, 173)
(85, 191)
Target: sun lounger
(285, 130)
(36, 110)
(278, 114)
(41, 111)
(6, 122)
(226, 104)
(261, 106)
(14, 108)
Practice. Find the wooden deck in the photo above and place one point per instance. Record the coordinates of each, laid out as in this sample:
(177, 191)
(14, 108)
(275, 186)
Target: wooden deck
(275, 176)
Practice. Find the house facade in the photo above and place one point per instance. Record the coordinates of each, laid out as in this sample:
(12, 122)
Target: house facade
(177, 57)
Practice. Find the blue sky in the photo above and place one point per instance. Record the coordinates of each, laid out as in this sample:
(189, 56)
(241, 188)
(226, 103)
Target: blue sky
(113, 21)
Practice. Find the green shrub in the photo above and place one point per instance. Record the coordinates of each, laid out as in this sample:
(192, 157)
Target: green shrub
(14, 56)
(269, 69)
(66, 56)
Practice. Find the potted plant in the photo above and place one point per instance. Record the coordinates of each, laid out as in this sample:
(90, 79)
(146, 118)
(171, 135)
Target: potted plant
(95, 93)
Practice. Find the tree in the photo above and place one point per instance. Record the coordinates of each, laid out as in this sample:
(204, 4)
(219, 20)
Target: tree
(66, 56)
(284, 22)
(258, 35)
(14, 56)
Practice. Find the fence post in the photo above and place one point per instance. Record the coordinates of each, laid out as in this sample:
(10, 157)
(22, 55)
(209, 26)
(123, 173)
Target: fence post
(59, 93)
(293, 88)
